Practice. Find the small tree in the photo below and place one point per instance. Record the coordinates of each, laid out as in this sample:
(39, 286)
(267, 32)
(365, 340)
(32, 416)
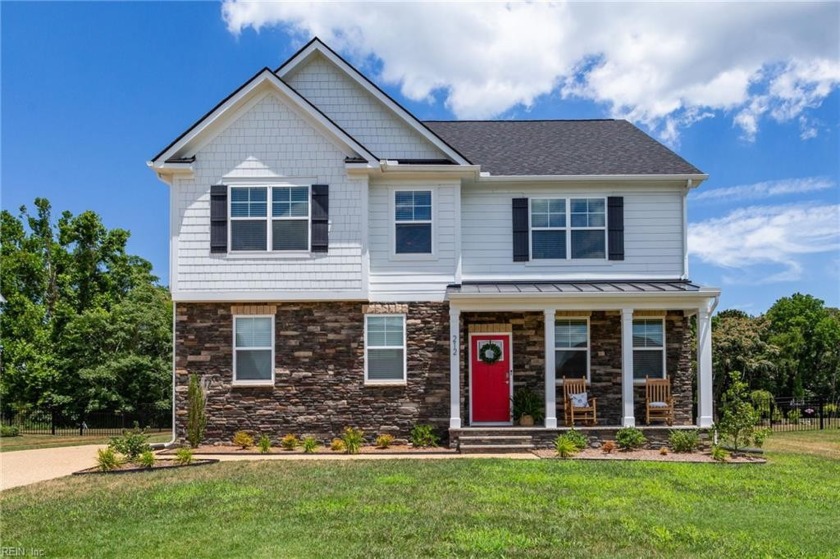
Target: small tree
(196, 415)
(738, 418)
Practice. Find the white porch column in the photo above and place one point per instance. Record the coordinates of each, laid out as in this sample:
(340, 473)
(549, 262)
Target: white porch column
(550, 372)
(628, 412)
(704, 368)
(454, 368)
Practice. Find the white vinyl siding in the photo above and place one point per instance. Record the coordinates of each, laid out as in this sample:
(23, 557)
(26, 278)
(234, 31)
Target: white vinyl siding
(648, 348)
(270, 143)
(653, 234)
(385, 358)
(253, 349)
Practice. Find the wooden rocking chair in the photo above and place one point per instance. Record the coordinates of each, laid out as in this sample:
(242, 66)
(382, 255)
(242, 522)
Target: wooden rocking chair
(658, 401)
(588, 412)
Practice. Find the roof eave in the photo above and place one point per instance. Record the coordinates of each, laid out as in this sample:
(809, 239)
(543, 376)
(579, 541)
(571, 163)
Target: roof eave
(695, 178)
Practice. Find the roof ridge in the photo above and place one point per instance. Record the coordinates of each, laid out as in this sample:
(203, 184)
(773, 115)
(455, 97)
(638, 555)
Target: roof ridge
(532, 120)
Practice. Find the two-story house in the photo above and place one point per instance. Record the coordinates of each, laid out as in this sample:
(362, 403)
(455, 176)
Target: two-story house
(337, 262)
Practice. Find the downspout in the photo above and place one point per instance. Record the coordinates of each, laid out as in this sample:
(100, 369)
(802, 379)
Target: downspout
(170, 442)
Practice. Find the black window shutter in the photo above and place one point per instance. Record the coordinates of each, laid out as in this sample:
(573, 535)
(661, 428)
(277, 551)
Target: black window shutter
(615, 227)
(320, 217)
(521, 252)
(218, 218)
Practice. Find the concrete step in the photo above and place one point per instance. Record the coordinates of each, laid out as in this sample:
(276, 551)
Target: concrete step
(495, 448)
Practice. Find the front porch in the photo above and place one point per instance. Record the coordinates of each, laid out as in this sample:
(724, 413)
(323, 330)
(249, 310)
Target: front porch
(611, 354)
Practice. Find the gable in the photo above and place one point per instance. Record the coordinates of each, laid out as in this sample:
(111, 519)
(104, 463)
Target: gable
(183, 148)
(360, 113)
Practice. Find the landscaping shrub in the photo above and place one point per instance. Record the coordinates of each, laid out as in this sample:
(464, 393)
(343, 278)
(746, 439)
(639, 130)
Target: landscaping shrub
(264, 444)
(107, 459)
(9, 431)
(608, 447)
(131, 444)
(289, 442)
(243, 440)
(424, 436)
(684, 440)
(794, 416)
(738, 418)
(830, 410)
(310, 444)
(196, 413)
(184, 456)
(384, 440)
(629, 438)
(578, 438)
(718, 454)
(777, 415)
(146, 459)
(353, 440)
(760, 436)
(565, 446)
(762, 401)
(337, 445)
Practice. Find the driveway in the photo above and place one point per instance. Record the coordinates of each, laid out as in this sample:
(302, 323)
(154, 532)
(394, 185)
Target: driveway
(22, 467)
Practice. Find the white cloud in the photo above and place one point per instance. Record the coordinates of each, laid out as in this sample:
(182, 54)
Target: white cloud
(766, 244)
(765, 189)
(664, 65)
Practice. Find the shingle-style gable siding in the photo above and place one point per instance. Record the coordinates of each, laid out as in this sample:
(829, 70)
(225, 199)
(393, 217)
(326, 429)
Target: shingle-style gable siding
(359, 113)
(270, 139)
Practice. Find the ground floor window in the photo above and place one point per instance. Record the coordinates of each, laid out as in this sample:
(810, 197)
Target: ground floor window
(253, 360)
(571, 348)
(385, 348)
(648, 348)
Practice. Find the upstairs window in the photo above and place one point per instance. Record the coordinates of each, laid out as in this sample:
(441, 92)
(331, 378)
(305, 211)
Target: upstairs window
(648, 349)
(413, 222)
(285, 228)
(563, 228)
(571, 348)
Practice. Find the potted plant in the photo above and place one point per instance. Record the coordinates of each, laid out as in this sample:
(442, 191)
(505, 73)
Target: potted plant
(528, 407)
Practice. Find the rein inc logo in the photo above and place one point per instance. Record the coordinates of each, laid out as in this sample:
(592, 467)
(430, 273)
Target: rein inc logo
(21, 552)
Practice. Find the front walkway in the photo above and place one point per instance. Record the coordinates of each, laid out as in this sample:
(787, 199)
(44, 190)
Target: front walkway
(23, 467)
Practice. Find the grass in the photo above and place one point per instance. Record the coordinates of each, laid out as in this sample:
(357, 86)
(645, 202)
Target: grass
(444, 508)
(29, 442)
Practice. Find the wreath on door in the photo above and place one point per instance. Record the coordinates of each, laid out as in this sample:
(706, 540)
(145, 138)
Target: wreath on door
(490, 353)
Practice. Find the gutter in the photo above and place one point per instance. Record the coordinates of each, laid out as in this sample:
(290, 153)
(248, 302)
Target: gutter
(693, 180)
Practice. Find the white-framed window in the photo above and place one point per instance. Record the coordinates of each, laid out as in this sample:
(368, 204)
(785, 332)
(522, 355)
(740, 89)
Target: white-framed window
(253, 349)
(269, 216)
(571, 348)
(385, 356)
(648, 348)
(413, 222)
(568, 228)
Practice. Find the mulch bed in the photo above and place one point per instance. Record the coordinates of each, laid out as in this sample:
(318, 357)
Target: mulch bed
(229, 450)
(160, 464)
(651, 455)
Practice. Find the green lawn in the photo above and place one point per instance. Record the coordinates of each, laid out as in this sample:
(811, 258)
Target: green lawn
(29, 442)
(442, 508)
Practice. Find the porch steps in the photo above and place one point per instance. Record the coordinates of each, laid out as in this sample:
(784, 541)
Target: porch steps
(480, 443)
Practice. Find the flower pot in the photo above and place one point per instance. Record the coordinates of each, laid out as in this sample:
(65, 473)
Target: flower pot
(526, 421)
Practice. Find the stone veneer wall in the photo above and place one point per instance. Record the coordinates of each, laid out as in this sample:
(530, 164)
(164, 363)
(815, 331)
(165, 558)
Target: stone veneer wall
(319, 372)
(605, 362)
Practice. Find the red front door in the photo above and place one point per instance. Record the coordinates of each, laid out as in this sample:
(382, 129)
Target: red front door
(491, 370)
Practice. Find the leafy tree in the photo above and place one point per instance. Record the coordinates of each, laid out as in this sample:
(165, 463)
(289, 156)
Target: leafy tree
(738, 345)
(738, 418)
(85, 326)
(808, 337)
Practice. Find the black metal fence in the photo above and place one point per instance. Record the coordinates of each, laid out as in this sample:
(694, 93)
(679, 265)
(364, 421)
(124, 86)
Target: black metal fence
(796, 414)
(48, 422)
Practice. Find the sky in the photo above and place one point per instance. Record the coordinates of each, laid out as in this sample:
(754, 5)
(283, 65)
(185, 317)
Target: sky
(747, 92)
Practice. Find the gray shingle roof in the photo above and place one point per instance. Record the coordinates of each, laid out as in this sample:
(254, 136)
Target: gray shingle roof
(560, 147)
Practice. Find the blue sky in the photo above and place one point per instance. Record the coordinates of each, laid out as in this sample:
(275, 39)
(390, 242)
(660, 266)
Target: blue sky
(90, 91)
